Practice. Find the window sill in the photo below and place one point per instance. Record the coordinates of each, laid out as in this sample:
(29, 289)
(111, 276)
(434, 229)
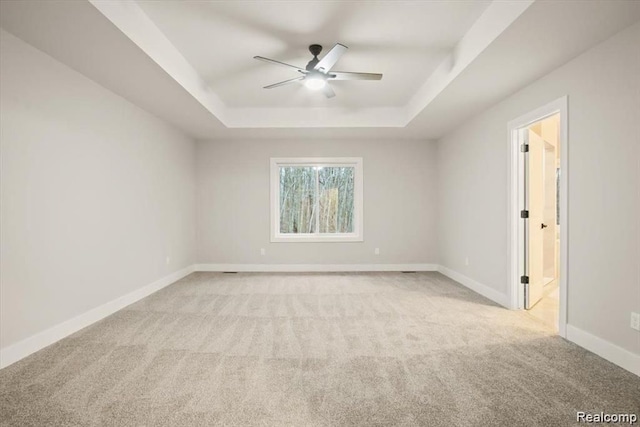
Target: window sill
(317, 238)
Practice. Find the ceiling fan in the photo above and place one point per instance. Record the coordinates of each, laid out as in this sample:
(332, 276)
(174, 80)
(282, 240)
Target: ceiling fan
(317, 73)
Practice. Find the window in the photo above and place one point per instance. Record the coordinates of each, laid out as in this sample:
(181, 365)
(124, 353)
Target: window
(316, 200)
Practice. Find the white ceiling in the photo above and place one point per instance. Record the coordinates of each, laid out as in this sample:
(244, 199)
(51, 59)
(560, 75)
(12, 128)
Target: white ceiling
(190, 63)
(405, 41)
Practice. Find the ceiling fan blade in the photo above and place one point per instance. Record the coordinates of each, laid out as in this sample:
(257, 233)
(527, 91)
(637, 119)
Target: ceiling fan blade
(286, 82)
(343, 75)
(330, 59)
(273, 61)
(328, 91)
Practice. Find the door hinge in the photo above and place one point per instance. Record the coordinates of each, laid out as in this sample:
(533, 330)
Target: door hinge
(524, 214)
(524, 148)
(524, 279)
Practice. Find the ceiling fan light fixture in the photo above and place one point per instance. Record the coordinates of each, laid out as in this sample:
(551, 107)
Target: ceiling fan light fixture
(314, 83)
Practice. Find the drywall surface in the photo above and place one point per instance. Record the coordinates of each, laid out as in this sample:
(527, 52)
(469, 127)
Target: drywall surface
(603, 88)
(234, 211)
(96, 194)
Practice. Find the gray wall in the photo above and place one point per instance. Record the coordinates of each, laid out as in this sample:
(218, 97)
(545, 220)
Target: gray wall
(399, 203)
(95, 194)
(603, 86)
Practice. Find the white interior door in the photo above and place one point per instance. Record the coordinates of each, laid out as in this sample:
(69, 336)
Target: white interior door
(535, 224)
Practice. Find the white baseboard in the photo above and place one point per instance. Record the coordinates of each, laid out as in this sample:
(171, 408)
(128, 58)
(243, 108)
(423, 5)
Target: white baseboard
(30, 345)
(603, 348)
(477, 287)
(285, 268)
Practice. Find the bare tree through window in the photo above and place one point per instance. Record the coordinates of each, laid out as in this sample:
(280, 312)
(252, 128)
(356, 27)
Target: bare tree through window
(316, 199)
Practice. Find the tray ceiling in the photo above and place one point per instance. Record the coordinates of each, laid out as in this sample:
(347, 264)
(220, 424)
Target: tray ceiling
(190, 62)
(406, 41)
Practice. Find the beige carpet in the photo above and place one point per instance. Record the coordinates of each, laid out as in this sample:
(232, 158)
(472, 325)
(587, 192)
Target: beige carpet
(313, 350)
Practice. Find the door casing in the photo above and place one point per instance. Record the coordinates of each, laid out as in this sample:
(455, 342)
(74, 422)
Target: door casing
(517, 203)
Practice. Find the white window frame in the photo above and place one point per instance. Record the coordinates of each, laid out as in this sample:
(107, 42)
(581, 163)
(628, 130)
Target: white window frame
(355, 162)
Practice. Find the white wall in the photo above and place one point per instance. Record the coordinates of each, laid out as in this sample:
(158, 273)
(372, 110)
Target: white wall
(95, 194)
(234, 212)
(603, 86)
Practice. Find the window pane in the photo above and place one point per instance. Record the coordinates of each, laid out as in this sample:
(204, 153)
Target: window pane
(336, 199)
(297, 200)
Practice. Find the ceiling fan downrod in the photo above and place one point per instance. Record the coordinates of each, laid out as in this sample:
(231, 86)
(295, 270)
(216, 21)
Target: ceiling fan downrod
(315, 50)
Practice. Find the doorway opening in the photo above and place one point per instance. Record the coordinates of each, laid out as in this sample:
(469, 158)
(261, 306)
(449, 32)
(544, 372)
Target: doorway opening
(538, 213)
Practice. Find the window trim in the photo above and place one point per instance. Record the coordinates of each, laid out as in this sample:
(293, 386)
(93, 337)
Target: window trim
(358, 207)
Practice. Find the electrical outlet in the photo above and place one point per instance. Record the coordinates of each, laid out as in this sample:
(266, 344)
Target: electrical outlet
(466, 261)
(376, 251)
(635, 321)
(168, 260)
(263, 251)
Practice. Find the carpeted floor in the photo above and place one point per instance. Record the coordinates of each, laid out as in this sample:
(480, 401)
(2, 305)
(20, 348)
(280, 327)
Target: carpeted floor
(313, 350)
